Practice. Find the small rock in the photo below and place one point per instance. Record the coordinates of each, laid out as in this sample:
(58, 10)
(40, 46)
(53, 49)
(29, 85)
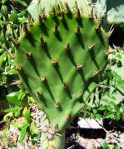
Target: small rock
(90, 123)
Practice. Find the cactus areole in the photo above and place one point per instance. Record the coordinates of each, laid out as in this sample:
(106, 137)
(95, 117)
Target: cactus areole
(58, 58)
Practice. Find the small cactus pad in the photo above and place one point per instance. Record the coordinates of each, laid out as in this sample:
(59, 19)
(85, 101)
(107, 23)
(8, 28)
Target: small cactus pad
(58, 58)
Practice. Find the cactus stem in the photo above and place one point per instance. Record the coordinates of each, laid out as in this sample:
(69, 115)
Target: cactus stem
(18, 68)
(28, 54)
(79, 66)
(68, 117)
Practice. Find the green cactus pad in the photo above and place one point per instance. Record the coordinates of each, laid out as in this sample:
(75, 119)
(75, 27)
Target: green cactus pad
(58, 59)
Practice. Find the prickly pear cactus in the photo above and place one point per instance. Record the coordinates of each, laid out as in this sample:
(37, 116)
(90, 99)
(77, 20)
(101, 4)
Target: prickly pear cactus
(59, 58)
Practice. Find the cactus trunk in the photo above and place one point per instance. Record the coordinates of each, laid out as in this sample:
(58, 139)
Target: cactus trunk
(58, 142)
(48, 137)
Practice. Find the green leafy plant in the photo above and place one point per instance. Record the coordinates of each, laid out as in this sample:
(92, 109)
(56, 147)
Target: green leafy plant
(11, 17)
(107, 100)
(18, 117)
(14, 100)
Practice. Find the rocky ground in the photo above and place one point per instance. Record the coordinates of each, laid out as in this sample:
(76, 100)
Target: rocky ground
(77, 137)
(109, 136)
(82, 142)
